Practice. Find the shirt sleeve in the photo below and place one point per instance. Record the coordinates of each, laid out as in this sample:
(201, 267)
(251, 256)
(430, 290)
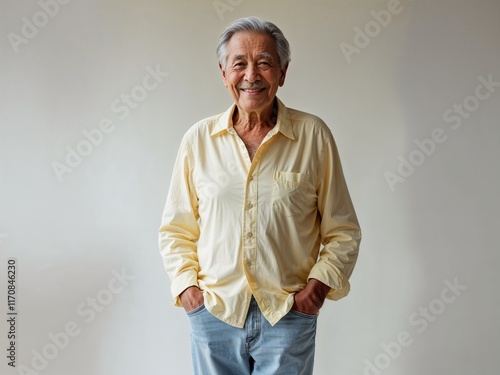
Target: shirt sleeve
(179, 231)
(339, 228)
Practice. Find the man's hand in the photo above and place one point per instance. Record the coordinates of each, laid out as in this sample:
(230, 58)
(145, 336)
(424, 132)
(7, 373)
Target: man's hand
(191, 298)
(311, 298)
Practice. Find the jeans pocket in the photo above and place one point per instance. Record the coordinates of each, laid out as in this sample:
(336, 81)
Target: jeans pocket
(303, 315)
(196, 311)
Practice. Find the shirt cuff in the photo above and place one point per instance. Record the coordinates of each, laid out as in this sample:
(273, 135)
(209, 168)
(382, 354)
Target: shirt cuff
(338, 283)
(181, 283)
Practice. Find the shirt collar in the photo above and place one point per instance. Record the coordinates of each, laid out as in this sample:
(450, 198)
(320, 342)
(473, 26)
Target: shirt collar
(283, 124)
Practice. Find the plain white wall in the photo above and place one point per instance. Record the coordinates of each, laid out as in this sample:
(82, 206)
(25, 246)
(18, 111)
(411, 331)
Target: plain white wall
(72, 235)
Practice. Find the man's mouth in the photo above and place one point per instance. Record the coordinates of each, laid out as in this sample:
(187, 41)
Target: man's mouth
(252, 90)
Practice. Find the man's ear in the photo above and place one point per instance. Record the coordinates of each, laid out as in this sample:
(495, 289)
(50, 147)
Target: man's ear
(283, 75)
(223, 72)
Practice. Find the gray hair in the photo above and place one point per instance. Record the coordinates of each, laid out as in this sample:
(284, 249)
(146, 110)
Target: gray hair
(257, 25)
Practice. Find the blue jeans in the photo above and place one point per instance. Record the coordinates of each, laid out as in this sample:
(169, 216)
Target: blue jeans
(287, 348)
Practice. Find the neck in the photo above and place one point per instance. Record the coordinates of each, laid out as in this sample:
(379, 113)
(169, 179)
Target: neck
(250, 120)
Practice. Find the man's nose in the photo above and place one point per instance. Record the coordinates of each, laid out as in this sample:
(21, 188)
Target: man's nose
(252, 74)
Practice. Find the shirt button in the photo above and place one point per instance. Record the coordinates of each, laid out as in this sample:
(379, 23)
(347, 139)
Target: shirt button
(249, 234)
(250, 178)
(250, 205)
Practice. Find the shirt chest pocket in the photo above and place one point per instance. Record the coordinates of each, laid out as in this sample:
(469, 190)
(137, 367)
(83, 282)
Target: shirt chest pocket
(290, 192)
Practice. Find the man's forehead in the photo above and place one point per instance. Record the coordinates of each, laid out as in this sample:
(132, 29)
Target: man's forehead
(243, 42)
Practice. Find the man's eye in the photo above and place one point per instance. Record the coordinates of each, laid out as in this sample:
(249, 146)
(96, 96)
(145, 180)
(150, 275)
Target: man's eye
(264, 65)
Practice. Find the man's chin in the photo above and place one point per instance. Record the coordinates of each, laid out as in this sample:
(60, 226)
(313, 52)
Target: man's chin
(254, 103)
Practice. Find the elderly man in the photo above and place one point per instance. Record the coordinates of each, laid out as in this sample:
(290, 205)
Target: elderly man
(258, 228)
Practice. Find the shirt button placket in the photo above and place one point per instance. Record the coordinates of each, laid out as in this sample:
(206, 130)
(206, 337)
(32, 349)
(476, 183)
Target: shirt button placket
(249, 236)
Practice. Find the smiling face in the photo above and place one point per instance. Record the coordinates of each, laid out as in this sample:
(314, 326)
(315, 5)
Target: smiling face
(253, 74)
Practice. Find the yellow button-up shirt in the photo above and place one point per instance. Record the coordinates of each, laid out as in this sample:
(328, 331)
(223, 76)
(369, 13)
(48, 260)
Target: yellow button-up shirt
(237, 227)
